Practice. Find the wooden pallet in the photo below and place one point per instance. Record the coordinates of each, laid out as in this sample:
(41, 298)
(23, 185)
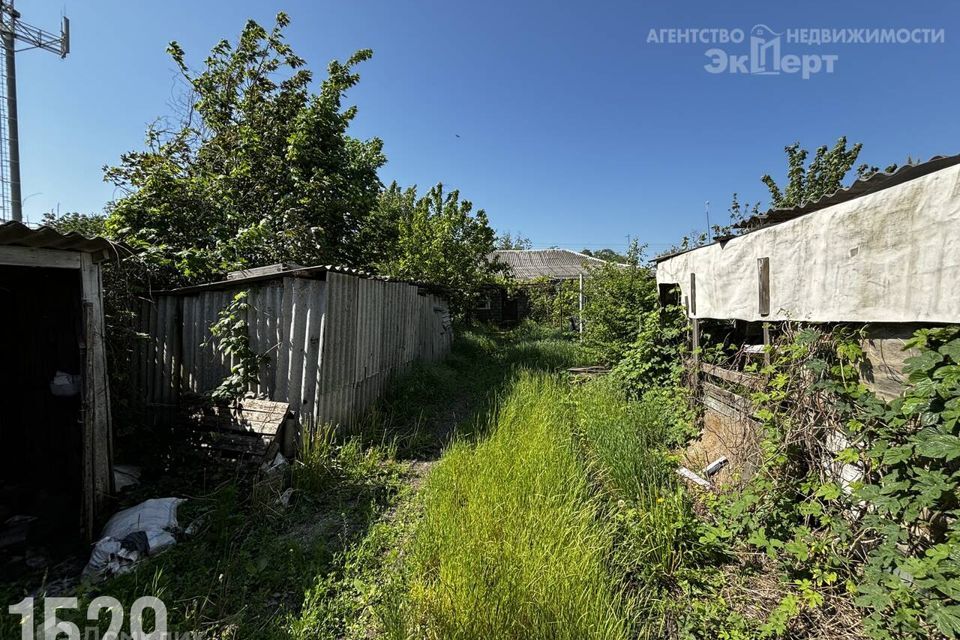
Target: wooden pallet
(254, 427)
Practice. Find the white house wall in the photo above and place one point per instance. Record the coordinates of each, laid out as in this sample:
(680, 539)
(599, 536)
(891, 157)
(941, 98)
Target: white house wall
(890, 256)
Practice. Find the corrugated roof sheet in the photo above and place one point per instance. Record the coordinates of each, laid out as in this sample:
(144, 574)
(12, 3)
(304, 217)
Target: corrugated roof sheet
(18, 234)
(557, 264)
(269, 273)
(877, 182)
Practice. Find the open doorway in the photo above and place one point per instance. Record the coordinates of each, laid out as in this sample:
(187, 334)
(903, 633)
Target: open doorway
(41, 427)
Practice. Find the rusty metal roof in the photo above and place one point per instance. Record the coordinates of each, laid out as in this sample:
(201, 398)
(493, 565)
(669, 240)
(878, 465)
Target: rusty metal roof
(877, 182)
(17, 234)
(555, 264)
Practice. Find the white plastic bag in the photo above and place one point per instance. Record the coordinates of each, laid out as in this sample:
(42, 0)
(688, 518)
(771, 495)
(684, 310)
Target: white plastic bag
(65, 385)
(147, 528)
(156, 514)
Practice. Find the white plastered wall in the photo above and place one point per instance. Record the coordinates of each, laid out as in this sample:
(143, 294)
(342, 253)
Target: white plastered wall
(890, 256)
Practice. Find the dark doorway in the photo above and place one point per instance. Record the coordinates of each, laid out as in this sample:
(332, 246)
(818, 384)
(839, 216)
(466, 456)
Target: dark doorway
(41, 478)
(511, 310)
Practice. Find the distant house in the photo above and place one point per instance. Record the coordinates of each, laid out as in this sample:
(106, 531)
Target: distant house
(546, 266)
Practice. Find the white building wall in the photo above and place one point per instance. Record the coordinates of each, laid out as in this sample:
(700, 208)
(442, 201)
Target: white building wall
(890, 256)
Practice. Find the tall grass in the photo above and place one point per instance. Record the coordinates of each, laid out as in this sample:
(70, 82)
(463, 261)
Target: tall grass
(512, 544)
(626, 443)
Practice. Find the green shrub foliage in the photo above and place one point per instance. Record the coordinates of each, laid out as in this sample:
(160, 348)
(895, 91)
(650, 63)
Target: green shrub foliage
(857, 497)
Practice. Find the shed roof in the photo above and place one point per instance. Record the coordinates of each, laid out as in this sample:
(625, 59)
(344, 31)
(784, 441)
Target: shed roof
(289, 270)
(876, 182)
(557, 264)
(862, 187)
(17, 234)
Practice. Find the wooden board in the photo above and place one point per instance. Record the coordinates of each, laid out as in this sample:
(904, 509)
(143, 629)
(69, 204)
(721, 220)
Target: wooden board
(251, 429)
(693, 294)
(35, 257)
(763, 274)
(747, 380)
(97, 427)
(739, 403)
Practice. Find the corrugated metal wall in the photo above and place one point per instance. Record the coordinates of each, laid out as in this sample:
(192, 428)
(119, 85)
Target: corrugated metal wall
(332, 344)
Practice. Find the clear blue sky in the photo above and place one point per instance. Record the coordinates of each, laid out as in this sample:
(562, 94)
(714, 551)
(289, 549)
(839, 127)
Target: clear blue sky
(574, 130)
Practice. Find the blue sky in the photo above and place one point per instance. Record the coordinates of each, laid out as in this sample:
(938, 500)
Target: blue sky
(573, 129)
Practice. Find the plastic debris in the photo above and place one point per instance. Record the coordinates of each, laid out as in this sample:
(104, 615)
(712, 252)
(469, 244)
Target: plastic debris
(693, 477)
(65, 385)
(714, 467)
(286, 497)
(277, 465)
(125, 476)
(143, 530)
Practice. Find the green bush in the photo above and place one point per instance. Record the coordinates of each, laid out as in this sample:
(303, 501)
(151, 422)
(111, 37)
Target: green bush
(890, 540)
(617, 298)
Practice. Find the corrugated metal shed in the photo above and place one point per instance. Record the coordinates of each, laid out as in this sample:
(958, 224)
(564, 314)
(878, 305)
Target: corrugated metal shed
(272, 272)
(554, 264)
(334, 337)
(16, 234)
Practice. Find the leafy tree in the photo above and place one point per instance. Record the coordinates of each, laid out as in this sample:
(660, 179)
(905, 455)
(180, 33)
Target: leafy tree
(822, 177)
(259, 170)
(805, 183)
(617, 297)
(439, 240)
(89, 225)
(518, 242)
(607, 254)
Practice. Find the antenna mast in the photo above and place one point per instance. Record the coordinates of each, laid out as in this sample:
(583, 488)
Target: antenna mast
(13, 30)
(706, 209)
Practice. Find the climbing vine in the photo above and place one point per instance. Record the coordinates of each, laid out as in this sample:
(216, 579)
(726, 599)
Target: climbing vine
(232, 336)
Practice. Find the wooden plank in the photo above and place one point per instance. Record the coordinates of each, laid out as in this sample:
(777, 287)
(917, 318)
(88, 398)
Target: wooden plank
(35, 257)
(96, 438)
(763, 274)
(726, 411)
(262, 416)
(728, 375)
(693, 294)
(695, 339)
(766, 343)
(733, 400)
(252, 445)
(229, 424)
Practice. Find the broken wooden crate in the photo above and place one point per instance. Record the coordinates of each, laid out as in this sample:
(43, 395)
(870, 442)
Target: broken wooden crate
(253, 427)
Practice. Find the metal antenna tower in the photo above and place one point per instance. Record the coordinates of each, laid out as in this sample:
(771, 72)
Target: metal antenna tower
(13, 30)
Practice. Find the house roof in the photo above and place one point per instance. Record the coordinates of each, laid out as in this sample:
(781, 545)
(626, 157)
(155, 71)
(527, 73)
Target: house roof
(555, 264)
(17, 234)
(862, 187)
